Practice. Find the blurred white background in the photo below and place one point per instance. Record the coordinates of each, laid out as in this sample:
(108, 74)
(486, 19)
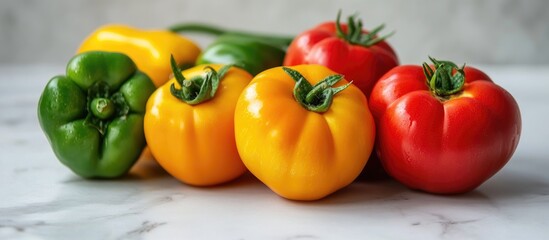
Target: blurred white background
(472, 31)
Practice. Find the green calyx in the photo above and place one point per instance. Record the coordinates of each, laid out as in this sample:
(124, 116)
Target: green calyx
(355, 35)
(317, 98)
(199, 88)
(103, 106)
(446, 79)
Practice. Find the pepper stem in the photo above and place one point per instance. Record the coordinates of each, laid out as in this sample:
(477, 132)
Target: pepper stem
(446, 78)
(197, 27)
(102, 108)
(199, 88)
(104, 105)
(317, 98)
(217, 31)
(354, 34)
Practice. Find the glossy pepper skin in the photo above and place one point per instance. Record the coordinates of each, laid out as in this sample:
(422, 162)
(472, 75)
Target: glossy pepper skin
(93, 116)
(149, 49)
(251, 51)
(359, 55)
(299, 150)
(193, 138)
(253, 55)
(446, 133)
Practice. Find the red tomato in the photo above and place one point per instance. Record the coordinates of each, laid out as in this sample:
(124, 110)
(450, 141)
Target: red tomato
(447, 134)
(359, 55)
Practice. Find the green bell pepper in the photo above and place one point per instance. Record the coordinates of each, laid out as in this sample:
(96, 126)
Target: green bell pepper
(252, 52)
(93, 116)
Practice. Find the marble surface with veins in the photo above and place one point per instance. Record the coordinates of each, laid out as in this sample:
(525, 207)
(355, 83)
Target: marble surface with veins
(41, 199)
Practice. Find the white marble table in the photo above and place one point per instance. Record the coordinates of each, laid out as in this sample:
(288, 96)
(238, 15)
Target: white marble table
(41, 199)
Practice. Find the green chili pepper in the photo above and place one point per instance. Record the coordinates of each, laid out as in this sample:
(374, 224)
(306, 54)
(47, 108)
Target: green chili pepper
(93, 116)
(252, 52)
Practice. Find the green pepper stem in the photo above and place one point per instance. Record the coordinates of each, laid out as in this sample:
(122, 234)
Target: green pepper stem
(317, 98)
(197, 27)
(217, 31)
(103, 105)
(102, 108)
(446, 78)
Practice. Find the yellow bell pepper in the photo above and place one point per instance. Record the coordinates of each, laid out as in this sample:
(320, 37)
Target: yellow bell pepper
(304, 140)
(149, 49)
(189, 124)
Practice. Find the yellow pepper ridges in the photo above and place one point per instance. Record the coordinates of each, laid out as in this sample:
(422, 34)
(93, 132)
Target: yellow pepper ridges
(149, 49)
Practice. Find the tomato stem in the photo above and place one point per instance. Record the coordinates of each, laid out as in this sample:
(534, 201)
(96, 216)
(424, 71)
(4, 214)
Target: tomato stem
(355, 35)
(445, 79)
(317, 98)
(199, 88)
